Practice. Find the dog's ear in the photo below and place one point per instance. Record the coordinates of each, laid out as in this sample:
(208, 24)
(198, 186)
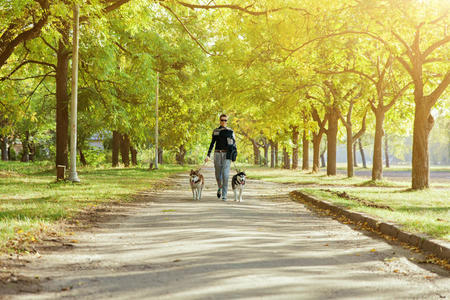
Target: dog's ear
(192, 171)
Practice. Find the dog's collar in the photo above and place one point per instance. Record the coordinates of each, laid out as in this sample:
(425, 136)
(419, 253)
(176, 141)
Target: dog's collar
(197, 181)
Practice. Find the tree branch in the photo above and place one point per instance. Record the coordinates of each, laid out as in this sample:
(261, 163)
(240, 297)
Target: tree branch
(24, 63)
(187, 30)
(395, 98)
(33, 32)
(292, 51)
(433, 97)
(49, 45)
(405, 65)
(362, 130)
(434, 46)
(347, 71)
(240, 8)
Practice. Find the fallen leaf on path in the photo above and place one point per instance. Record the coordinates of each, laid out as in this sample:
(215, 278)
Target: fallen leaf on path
(373, 250)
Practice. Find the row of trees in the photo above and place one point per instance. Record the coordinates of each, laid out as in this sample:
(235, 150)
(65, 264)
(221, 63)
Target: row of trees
(364, 65)
(287, 71)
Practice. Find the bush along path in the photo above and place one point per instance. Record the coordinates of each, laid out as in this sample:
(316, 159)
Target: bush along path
(267, 247)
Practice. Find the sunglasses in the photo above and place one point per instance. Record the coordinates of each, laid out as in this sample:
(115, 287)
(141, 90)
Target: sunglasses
(222, 120)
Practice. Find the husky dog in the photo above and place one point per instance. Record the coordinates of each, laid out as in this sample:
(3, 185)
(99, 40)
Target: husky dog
(197, 183)
(238, 183)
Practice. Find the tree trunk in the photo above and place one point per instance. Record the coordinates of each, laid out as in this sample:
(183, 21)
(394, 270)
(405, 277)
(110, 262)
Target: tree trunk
(266, 153)
(322, 159)
(160, 155)
(82, 157)
(9, 153)
(333, 118)
(25, 148)
(125, 150)
(133, 156)
(355, 163)
(377, 167)
(423, 123)
(4, 148)
(305, 153)
(256, 153)
(180, 155)
(276, 154)
(62, 104)
(317, 138)
(287, 162)
(272, 155)
(32, 154)
(116, 148)
(386, 150)
(350, 171)
(295, 147)
(363, 157)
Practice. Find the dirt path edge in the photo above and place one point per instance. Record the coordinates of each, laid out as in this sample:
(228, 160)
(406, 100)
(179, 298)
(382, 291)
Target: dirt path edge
(422, 242)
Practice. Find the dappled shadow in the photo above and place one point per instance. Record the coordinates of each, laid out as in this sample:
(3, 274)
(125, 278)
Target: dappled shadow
(266, 247)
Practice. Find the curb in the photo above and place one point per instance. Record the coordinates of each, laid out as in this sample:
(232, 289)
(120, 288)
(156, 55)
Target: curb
(420, 241)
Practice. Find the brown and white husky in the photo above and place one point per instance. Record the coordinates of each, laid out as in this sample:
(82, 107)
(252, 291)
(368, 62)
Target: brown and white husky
(197, 183)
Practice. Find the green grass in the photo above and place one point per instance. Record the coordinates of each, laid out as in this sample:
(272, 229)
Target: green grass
(426, 211)
(32, 202)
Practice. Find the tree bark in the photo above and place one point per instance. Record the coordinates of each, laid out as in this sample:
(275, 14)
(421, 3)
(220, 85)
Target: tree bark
(32, 154)
(287, 162)
(355, 163)
(272, 154)
(423, 123)
(134, 156)
(377, 167)
(256, 154)
(116, 148)
(9, 153)
(305, 152)
(62, 102)
(82, 157)
(322, 159)
(386, 150)
(125, 150)
(332, 130)
(266, 153)
(276, 154)
(160, 155)
(363, 157)
(180, 155)
(350, 171)
(4, 148)
(317, 138)
(316, 152)
(25, 148)
(295, 134)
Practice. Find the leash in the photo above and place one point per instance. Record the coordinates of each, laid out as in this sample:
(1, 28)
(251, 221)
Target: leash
(237, 170)
(202, 166)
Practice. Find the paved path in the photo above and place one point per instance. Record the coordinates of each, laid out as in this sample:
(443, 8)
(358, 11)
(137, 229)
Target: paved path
(267, 247)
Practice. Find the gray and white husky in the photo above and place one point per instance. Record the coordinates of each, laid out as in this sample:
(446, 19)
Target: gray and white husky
(197, 183)
(238, 184)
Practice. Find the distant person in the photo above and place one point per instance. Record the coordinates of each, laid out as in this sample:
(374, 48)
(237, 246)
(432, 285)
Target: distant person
(224, 152)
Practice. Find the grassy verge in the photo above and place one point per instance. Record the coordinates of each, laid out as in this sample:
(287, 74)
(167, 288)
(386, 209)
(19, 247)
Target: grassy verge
(426, 211)
(32, 203)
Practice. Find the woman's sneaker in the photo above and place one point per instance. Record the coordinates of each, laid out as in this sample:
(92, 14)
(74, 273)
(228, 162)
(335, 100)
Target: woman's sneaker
(219, 193)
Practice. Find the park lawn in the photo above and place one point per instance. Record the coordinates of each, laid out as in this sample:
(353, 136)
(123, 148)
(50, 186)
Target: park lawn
(426, 211)
(32, 203)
